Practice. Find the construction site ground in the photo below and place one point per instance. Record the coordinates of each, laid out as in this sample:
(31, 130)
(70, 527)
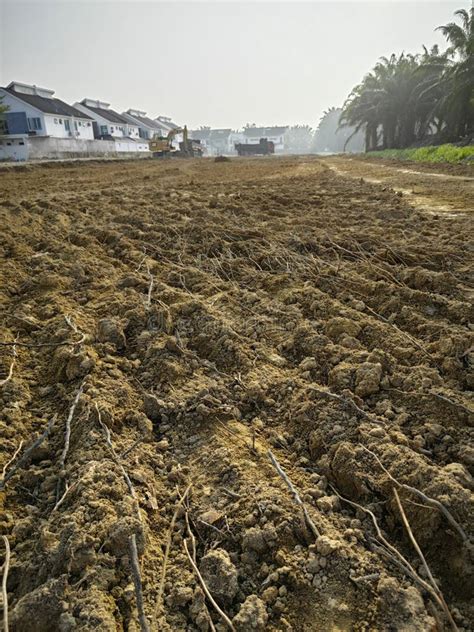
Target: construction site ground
(237, 395)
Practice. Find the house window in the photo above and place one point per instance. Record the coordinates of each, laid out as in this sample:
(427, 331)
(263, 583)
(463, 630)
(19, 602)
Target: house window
(34, 124)
(103, 130)
(55, 121)
(111, 129)
(21, 142)
(67, 125)
(60, 121)
(75, 125)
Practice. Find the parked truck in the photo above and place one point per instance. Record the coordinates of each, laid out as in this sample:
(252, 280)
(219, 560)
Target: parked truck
(263, 148)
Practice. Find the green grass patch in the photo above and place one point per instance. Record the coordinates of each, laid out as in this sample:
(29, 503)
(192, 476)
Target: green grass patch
(440, 153)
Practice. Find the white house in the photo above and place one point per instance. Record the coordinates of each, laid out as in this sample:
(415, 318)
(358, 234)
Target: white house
(110, 125)
(107, 122)
(33, 111)
(253, 135)
(147, 127)
(166, 125)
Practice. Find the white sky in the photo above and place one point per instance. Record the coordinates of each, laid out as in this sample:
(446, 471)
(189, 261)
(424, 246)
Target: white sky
(211, 63)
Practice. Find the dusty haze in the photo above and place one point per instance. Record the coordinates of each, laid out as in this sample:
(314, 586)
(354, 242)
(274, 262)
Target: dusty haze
(219, 64)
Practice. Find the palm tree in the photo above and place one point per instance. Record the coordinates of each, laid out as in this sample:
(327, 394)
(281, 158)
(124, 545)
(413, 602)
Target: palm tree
(459, 77)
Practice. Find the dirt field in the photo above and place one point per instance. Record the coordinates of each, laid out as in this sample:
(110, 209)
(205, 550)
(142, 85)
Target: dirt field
(249, 360)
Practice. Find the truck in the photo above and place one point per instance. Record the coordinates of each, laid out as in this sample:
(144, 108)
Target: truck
(263, 148)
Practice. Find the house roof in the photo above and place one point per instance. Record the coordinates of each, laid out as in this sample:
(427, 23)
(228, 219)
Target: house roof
(165, 123)
(262, 132)
(108, 114)
(144, 120)
(48, 105)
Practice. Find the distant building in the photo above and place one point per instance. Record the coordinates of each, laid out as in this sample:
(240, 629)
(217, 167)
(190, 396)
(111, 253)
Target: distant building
(110, 125)
(147, 127)
(216, 142)
(34, 112)
(274, 134)
(167, 125)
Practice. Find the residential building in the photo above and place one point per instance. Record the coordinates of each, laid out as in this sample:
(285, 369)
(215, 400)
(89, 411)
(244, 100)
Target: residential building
(216, 142)
(147, 127)
(275, 134)
(166, 125)
(34, 111)
(107, 122)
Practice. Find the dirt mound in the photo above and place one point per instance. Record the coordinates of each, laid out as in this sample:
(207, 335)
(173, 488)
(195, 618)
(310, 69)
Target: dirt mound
(236, 396)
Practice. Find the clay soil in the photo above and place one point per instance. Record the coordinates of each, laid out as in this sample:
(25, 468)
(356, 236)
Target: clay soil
(176, 321)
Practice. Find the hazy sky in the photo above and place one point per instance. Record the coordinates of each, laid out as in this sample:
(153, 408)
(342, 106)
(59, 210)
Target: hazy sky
(210, 63)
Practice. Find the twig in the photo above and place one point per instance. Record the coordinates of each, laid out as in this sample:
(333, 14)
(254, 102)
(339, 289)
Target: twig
(206, 590)
(137, 581)
(346, 401)
(37, 344)
(61, 500)
(68, 426)
(150, 288)
(364, 578)
(294, 493)
(116, 458)
(423, 561)
(12, 364)
(394, 553)
(11, 460)
(429, 501)
(167, 551)
(27, 452)
(75, 329)
(6, 566)
(132, 447)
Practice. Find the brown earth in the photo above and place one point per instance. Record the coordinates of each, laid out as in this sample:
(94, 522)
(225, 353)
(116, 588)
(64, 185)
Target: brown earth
(196, 315)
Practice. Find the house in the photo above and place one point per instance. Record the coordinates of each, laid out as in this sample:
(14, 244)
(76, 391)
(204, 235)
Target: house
(107, 122)
(216, 142)
(147, 127)
(33, 111)
(275, 134)
(112, 126)
(166, 125)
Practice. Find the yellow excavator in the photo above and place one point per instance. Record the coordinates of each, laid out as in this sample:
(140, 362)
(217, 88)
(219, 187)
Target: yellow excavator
(164, 146)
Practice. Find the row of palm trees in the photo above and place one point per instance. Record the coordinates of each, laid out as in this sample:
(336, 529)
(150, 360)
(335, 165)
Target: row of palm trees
(408, 99)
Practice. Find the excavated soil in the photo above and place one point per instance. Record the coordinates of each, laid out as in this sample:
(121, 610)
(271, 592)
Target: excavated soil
(174, 322)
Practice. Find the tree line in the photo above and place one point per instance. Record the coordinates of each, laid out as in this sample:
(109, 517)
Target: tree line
(408, 99)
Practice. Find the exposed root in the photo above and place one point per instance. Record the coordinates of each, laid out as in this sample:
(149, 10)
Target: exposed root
(423, 561)
(5, 467)
(12, 364)
(75, 329)
(137, 582)
(295, 494)
(429, 501)
(27, 453)
(167, 551)
(6, 566)
(67, 435)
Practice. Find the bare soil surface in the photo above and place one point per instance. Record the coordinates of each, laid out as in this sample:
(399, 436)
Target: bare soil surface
(258, 353)
(429, 187)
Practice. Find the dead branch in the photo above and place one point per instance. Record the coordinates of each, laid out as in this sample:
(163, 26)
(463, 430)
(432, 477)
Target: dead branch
(137, 582)
(427, 499)
(167, 551)
(27, 453)
(61, 500)
(206, 590)
(11, 460)
(12, 364)
(296, 497)
(75, 329)
(115, 456)
(423, 560)
(346, 401)
(6, 566)
(393, 553)
(68, 426)
(150, 288)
